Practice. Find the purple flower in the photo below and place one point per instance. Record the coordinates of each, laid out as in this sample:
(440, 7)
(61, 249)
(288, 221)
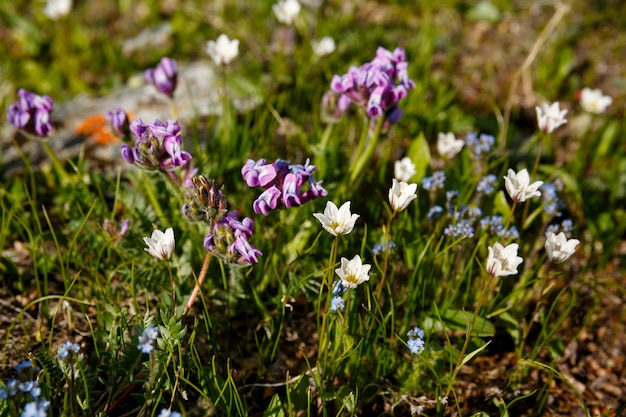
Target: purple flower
(164, 77)
(267, 201)
(377, 85)
(157, 146)
(229, 240)
(31, 113)
(284, 184)
(119, 122)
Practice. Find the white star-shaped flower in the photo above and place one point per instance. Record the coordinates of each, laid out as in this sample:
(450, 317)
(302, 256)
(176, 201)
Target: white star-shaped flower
(337, 221)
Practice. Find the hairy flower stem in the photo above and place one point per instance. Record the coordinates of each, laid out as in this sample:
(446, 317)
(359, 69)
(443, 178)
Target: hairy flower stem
(58, 167)
(382, 282)
(173, 111)
(194, 293)
(468, 335)
(508, 220)
(526, 325)
(169, 269)
(152, 197)
(328, 283)
(225, 109)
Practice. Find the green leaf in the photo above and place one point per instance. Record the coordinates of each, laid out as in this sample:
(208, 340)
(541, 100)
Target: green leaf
(419, 152)
(275, 409)
(474, 353)
(458, 319)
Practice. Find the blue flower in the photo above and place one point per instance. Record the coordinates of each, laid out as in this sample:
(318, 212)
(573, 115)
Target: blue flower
(337, 304)
(487, 184)
(168, 413)
(36, 409)
(147, 338)
(416, 340)
(66, 350)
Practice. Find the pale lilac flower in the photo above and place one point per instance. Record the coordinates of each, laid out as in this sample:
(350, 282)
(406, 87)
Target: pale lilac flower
(147, 338)
(404, 169)
(31, 113)
(161, 245)
(119, 123)
(503, 261)
(519, 187)
(448, 145)
(479, 144)
(415, 340)
(286, 10)
(353, 272)
(56, 9)
(228, 240)
(164, 77)
(337, 304)
(337, 221)
(324, 46)
(550, 116)
(67, 349)
(593, 101)
(401, 194)
(223, 50)
(559, 248)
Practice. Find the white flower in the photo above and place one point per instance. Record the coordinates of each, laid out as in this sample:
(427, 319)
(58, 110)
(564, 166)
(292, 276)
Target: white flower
(404, 169)
(56, 9)
(353, 273)
(401, 194)
(160, 245)
(503, 261)
(223, 50)
(593, 101)
(559, 248)
(519, 187)
(337, 221)
(286, 10)
(324, 46)
(448, 145)
(550, 116)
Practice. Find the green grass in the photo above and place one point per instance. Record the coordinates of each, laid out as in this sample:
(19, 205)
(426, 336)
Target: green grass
(261, 340)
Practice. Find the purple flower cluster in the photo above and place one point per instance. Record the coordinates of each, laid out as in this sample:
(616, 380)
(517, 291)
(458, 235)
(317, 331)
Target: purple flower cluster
(229, 240)
(164, 77)
(487, 184)
(436, 182)
(157, 146)
(31, 113)
(494, 226)
(377, 85)
(283, 183)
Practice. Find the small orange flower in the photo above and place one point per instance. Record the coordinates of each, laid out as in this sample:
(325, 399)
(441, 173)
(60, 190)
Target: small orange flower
(96, 128)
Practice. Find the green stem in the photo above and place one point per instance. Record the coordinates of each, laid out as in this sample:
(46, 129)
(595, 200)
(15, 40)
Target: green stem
(327, 282)
(58, 167)
(468, 335)
(365, 157)
(533, 174)
(152, 197)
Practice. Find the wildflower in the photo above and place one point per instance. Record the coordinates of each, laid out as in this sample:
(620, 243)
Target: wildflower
(334, 105)
(56, 9)
(378, 85)
(337, 304)
(223, 50)
(494, 226)
(204, 201)
(67, 349)
(338, 288)
(283, 182)
(378, 248)
(437, 181)
(434, 213)
(416, 340)
(228, 240)
(479, 145)
(36, 409)
(324, 46)
(353, 272)
(24, 366)
(31, 113)
(161, 245)
(567, 225)
(593, 101)
(147, 338)
(503, 261)
(461, 229)
(550, 116)
(519, 187)
(448, 145)
(157, 146)
(559, 248)
(168, 413)
(404, 169)
(120, 123)
(286, 10)
(487, 184)
(337, 221)
(164, 77)
(551, 200)
(401, 194)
